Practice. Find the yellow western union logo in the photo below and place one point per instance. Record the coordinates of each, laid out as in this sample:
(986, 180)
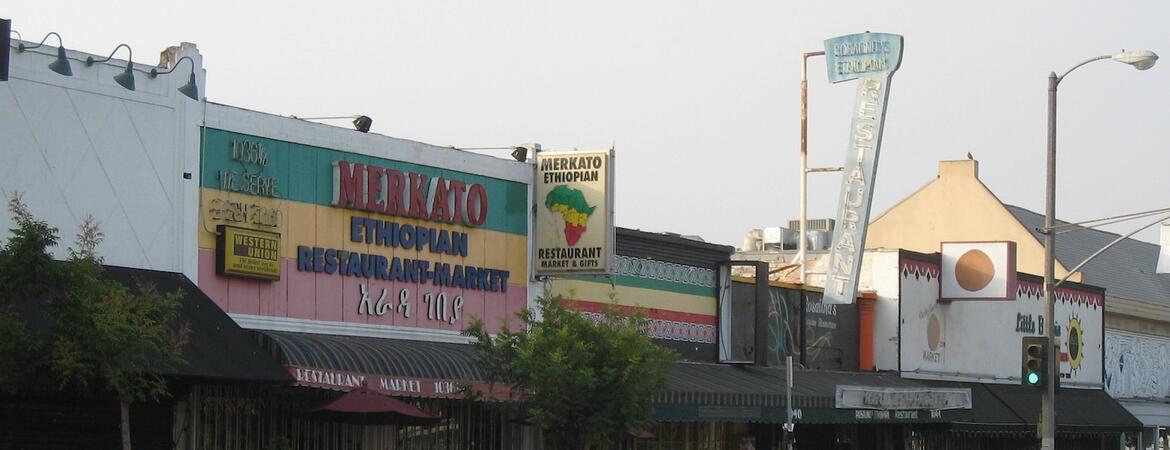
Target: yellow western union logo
(248, 253)
(256, 247)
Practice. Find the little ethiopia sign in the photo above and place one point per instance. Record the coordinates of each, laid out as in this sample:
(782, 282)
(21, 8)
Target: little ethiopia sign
(872, 57)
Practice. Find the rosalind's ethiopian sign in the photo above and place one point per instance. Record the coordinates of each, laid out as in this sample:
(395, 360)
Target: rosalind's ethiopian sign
(872, 57)
(574, 212)
(247, 253)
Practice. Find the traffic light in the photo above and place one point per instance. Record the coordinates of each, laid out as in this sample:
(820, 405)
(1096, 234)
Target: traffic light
(1034, 360)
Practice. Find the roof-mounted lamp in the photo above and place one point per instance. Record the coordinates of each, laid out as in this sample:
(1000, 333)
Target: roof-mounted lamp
(126, 78)
(191, 89)
(61, 64)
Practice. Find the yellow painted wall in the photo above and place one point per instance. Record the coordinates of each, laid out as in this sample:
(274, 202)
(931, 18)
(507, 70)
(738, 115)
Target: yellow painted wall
(325, 226)
(956, 206)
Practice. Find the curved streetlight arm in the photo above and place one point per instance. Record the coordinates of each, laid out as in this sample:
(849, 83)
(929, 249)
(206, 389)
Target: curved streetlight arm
(154, 73)
(1102, 250)
(89, 61)
(1098, 58)
(21, 48)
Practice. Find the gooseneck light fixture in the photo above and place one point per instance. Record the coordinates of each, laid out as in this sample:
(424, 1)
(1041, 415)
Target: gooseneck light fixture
(191, 90)
(61, 64)
(126, 78)
(1141, 60)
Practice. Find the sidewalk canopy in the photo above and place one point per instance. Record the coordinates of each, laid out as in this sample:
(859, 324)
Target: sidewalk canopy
(390, 366)
(217, 348)
(721, 392)
(1089, 411)
(714, 392)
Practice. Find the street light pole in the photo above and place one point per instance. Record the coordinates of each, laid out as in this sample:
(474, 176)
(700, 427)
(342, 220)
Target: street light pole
(1141, 60)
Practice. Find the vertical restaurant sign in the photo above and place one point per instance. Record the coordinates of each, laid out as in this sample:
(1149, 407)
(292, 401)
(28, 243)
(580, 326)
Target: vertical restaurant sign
(872, 57)
(247, 253)
(574, 212)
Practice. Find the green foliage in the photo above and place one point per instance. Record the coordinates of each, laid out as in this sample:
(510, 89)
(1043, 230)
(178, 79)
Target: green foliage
(74, 330)
(27, 274)
(583, 382)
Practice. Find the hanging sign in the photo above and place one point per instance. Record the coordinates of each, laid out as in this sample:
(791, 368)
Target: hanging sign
(247, 253)
(872, 57)
(574, 213)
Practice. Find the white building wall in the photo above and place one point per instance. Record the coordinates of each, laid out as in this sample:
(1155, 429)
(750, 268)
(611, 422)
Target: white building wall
(882, 277)
(83, 145)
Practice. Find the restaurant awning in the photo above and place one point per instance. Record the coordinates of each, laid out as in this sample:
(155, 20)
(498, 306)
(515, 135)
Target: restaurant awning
(1081, 411)
(392, 366)
(699, 392)
(217, 348)
(707, 392)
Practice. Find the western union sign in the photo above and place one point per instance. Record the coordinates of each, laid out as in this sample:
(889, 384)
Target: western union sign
(247, 253)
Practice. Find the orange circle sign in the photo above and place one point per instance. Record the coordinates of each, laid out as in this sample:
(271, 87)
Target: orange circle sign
(974, 270)
(933, 333)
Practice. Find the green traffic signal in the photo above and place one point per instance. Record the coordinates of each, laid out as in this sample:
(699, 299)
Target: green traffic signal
(1034, 355)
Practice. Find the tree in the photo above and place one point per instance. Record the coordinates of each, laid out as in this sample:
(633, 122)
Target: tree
(94, 334)
(583, 382)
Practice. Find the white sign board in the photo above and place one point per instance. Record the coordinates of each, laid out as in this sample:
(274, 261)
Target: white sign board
(980, 341)
(978, 271)
(865, 397)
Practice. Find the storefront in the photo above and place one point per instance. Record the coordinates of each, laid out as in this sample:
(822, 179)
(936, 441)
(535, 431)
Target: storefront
(357, 260)
(940, 336)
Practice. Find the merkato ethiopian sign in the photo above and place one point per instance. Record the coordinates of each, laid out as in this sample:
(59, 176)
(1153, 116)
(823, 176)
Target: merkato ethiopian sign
(872, 57)
(574, 213)
(363, 240)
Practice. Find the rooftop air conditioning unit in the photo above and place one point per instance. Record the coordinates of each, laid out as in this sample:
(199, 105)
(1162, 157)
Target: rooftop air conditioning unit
(813, 224)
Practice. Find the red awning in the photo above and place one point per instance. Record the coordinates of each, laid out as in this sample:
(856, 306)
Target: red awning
(365, 406)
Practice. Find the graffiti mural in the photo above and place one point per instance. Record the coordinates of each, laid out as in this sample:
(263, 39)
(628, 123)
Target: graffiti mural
(1135, 366)
(817, 334)
(783, 309)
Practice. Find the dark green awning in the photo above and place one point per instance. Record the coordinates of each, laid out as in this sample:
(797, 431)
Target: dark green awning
(217, 348)
(737, 393)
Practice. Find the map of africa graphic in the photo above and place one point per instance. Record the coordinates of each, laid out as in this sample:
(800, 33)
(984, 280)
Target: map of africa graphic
(573, 208)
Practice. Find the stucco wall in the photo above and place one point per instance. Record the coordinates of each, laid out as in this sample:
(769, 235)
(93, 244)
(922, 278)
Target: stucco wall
(956, 206)
(83, 145)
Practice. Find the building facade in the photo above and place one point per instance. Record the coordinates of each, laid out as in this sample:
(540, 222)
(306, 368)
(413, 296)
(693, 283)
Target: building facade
(957, 206)
(350, 260)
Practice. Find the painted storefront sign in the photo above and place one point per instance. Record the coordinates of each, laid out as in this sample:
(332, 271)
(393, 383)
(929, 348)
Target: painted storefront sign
(872, 57)
(340, 380)
(953, 338)
(574, 214)
(367, 240)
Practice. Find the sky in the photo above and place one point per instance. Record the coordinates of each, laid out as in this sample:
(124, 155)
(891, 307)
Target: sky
(701, 100)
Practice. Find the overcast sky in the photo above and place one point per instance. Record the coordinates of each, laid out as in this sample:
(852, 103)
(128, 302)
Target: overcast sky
(701, 99)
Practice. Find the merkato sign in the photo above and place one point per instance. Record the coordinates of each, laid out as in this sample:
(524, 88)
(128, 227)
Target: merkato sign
(574, 213)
